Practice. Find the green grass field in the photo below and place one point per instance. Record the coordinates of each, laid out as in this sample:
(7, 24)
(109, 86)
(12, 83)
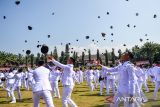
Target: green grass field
(81, 95)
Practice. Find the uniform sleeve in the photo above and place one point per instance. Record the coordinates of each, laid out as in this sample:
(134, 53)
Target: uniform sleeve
(59, 64)
(132, 80)
(50, 76)
(115, 69)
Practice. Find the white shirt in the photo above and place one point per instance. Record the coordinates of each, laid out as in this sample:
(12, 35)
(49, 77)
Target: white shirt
(41, 76)
(1, 76)
(10, 78)
(139, 73)
(55, 75)
(80, 73)
(151, 71)
(90, 74)
(15, 71)
(68, 73)
(97, 73)
(145, 76)
(127, 77)
(18, 79)
(157, 74)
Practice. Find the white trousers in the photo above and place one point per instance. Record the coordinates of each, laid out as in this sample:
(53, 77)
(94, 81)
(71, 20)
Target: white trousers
(96, 80)
(9, 87)
(46, 94)
(101, 87)
(157, 87)
(142, 95)
(145, 85)
(110, 82)
(55, 89)
(24, 83)
(81, 79)
(91, 85)
(66, 98)
(19, 92)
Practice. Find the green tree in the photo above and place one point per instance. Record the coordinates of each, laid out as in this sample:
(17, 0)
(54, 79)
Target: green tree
(106, 57)
(89, 55)
(38, 58)
(120, 53)
(42, 57)
(61, 58)
(51, 53)
(32, 59)
(113, 56)
(75, 56)
(83, 63)
(66, 54)
(149, 49)
(55, 53)
(98, 54)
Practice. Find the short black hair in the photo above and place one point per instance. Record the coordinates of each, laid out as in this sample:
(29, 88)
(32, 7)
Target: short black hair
(40, 63)
(20, 69)
(131, 55)
(111, 65)
(90, 68)
(73, 60)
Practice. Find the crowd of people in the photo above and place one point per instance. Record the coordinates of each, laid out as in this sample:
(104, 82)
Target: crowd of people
(125, 80)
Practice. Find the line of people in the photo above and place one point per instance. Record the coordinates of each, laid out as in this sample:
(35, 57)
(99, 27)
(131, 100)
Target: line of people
(126, 80)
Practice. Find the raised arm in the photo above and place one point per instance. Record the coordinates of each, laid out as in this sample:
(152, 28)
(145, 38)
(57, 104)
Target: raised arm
(115, 69)
(51, 59)
(59, 64)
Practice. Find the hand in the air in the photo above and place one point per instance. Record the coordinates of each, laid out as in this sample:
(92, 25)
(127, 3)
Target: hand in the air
(50, 58)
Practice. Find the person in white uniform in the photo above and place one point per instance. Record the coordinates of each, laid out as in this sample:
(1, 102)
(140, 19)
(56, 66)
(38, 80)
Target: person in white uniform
(96, 77)
(42, 86)
(67, 81)
(139, 73)
(101, 81)
(30, 79)
(80, 72)
(151, 73)
(17, 85)
(10, 81)
(90, 78)
(110, 82)
(1, 79)
(77, 76)
(127, 80)
(157, 81)
(145, 78)
(25, 78)
(55, 77)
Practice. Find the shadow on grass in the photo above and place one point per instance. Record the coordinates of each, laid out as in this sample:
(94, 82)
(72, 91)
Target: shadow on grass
(80, 91)
(156, 106)
(25, 100)
(104, 105)
(152, 100)
(95, 94)
(4, 102)
(150, 91)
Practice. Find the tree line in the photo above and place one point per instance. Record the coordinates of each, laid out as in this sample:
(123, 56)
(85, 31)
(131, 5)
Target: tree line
(148, 51)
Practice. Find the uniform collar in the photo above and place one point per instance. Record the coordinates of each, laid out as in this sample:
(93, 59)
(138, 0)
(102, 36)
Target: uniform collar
(71, 65)
(125, 63)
